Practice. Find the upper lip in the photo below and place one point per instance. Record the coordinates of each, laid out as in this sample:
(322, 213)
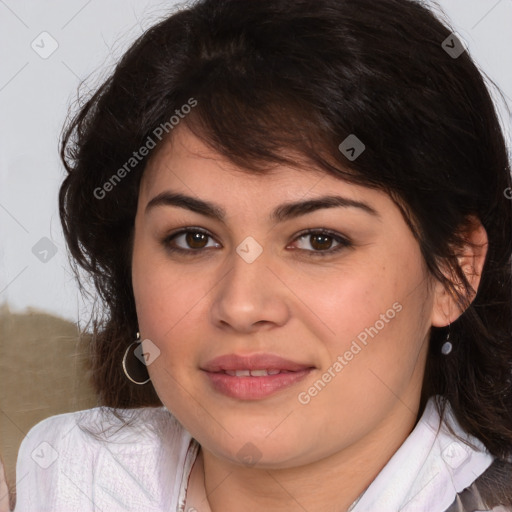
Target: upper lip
(235, 362)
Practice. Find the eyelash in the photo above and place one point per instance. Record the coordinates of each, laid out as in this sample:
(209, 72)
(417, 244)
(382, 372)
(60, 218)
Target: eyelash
(344, 243)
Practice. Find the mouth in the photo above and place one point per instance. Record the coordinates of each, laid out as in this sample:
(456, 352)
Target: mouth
(253, 377)
(254, 373)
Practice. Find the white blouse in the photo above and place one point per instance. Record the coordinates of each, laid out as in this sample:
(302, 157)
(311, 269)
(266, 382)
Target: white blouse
(88, 461)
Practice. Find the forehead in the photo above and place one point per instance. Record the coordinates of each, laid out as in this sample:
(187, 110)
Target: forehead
(187, 155)
(186, 164)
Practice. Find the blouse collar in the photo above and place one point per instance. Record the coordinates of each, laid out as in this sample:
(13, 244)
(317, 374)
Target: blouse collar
(429, 470)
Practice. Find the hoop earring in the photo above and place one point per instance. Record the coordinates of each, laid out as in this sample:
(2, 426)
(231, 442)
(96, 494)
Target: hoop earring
(136, 366)
(447, 345)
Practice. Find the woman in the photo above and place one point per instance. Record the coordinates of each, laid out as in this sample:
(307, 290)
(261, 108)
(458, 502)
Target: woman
(294, 215)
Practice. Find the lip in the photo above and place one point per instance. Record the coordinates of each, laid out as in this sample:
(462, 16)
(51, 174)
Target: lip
(253, 388)
(253, 362)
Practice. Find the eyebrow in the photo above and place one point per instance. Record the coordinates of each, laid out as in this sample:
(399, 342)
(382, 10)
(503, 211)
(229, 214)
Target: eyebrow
(281, 213)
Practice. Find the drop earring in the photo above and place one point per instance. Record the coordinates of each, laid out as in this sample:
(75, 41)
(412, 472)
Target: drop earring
(447, 345)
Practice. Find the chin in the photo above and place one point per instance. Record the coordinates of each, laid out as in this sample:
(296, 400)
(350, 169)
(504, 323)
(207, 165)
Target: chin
(255, 448)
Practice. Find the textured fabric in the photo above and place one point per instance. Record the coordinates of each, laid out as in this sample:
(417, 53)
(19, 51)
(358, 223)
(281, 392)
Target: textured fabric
(491, 489)
(91, 461)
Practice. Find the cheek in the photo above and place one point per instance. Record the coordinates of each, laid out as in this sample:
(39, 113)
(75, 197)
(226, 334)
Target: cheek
(376, 317)
(170, 303)
(163, 302)
(349, 300)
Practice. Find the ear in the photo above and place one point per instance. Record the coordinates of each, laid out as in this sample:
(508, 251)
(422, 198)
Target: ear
(471, 258)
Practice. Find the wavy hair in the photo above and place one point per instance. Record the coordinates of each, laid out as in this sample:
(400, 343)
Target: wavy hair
(278, 77)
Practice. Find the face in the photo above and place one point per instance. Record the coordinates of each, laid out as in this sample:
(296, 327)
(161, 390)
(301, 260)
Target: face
(339, 292)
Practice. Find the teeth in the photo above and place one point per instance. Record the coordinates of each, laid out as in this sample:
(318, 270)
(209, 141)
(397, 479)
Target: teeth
(252, 373)
(259, 373)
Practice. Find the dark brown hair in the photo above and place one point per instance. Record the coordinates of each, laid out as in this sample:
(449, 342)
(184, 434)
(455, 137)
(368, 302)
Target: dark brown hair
(278, 77)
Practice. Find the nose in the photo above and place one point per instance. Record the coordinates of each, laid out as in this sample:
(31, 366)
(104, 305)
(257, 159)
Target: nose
(250, 296)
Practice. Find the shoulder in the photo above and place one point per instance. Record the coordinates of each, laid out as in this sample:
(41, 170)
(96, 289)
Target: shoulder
(482, 480)
(93, 428)
(495, 484)
(76, 455)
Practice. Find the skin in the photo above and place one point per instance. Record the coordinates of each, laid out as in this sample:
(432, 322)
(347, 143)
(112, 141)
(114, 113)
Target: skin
(320, 456)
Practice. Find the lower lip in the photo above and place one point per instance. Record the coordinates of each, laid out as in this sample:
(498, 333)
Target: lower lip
(254, 388)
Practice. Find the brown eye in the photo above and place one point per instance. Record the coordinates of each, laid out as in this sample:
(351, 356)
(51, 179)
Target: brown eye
(321, 242)
(188, 241)
(196, 240)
